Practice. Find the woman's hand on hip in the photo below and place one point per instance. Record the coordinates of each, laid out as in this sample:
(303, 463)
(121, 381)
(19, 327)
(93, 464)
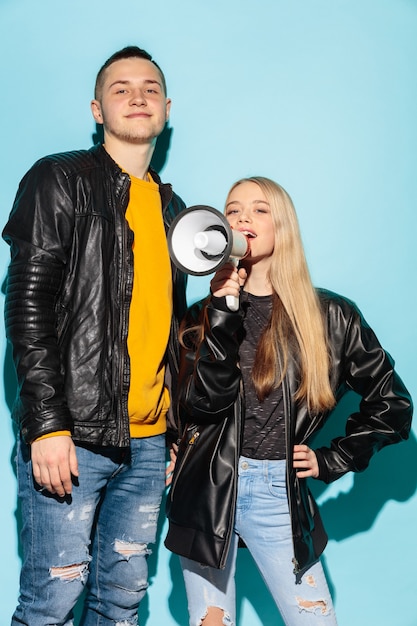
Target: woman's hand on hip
(305, 462)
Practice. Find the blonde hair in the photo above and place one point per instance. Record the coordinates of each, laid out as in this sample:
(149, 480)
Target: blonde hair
(296, 327)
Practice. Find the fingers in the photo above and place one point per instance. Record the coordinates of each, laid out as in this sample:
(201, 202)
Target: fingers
(170, 467)
(242, 276)
(227, 281)
(73, 462)
(305, 462)
(54, 463)
(168, 473)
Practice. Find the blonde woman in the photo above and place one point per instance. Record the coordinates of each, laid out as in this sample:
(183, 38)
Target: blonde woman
(256, 385)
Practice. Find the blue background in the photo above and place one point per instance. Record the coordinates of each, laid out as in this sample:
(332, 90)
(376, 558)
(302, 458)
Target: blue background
(319, 95)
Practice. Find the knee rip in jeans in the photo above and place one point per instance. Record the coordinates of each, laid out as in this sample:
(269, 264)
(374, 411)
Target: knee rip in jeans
(128, 549)
(215, 616)
(67, 573)
(312, 606)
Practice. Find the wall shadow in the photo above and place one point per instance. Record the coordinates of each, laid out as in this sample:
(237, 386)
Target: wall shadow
(390, 476)
(160, 155)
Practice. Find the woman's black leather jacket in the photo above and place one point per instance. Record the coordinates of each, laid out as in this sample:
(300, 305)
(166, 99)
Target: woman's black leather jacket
(68, 295)
(201, 502)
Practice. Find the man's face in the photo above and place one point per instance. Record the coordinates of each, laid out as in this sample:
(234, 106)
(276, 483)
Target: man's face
(132, 107)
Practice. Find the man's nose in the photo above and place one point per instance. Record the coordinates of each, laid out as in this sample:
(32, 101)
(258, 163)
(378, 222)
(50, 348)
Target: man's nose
(138, 97)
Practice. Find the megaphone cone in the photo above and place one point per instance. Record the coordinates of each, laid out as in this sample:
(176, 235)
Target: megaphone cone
(200, 241)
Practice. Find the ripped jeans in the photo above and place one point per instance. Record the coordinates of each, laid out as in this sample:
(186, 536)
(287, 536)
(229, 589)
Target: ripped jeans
(263, 522)
(96, 539)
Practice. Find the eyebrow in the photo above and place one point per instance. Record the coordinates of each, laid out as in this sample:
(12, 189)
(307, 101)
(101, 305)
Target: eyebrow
(253, 202)
(147, 81)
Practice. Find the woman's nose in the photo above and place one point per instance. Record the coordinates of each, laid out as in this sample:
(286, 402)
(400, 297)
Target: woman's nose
(244, 216)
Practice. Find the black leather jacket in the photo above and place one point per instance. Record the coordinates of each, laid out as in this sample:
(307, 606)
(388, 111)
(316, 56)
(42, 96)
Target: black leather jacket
(201, 502)
(68, 296)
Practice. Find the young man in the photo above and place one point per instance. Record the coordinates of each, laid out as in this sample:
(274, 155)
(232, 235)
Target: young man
(92, 312)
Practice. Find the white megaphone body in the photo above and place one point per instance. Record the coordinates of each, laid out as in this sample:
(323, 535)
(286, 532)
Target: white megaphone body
(200, 241)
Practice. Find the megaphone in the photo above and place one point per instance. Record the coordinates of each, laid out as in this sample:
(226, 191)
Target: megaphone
(200, 241)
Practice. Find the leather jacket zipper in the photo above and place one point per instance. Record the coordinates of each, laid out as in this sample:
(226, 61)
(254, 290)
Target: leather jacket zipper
(190, 444)
(289, 454)
(123, 434)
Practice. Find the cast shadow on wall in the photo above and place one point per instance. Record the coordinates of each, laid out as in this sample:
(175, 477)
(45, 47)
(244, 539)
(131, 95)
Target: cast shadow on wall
(389, 476)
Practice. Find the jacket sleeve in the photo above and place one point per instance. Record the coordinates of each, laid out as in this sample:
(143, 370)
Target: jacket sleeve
(39, 232)
(209, 375)
(385, 408)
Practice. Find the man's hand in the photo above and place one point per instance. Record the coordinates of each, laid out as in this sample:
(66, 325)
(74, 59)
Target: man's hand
(305, 462)
(170, 468)
(54, 463)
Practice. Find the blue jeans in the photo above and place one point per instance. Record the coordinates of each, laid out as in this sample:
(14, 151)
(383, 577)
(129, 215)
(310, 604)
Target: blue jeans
(98, 538)
(263, 522)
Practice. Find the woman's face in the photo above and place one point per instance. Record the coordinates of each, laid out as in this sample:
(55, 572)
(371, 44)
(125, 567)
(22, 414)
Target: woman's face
(248, 211)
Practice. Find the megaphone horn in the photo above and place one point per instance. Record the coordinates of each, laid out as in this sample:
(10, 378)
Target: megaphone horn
(200, 241)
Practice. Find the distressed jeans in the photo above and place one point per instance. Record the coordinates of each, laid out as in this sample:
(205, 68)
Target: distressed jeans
(96, 539)
(262, 520)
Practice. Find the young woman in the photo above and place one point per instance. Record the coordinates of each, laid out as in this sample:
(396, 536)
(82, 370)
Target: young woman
(256, 385)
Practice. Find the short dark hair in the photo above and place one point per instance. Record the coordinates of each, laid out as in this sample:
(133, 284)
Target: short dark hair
(129, 52)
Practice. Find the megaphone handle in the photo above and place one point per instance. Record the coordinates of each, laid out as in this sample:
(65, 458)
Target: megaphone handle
(232, 301)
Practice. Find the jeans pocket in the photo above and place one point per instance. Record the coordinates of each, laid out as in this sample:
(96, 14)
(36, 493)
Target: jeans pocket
(277, 487)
